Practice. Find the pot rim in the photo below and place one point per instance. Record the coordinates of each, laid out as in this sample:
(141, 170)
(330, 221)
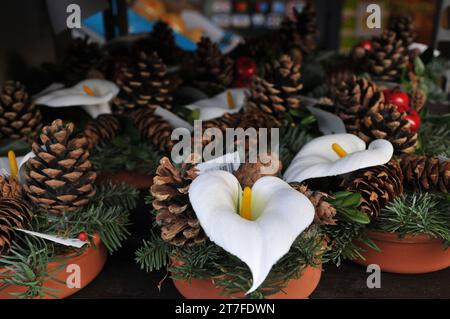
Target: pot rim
(407, 239)
(69, 257)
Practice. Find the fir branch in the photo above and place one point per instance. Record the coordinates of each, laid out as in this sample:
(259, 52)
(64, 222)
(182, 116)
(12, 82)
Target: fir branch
(153, 255)
(348, 229)
(434, 136)
(107, 215)
(209, 261)
(414, 214)
(125, 152)
(26, 266)
(121, 195)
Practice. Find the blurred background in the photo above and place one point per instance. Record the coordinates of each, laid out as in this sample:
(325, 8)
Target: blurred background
(34, 31)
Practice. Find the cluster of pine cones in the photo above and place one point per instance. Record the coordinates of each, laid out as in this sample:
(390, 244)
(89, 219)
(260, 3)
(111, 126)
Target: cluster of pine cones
(59, 179)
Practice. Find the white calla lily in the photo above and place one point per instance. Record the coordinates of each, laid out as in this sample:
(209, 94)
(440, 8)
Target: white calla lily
(276, 215)
(332, 155)
(93, 95)
(219, 104)
(5, 167)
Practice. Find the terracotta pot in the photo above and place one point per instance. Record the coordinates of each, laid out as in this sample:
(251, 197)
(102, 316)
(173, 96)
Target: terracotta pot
(409, 255)
(135, 179)
(91, 262)
(299, 288)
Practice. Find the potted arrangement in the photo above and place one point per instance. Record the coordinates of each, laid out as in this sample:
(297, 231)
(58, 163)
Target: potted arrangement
(404, 198)
(57, 225)
(213, 232)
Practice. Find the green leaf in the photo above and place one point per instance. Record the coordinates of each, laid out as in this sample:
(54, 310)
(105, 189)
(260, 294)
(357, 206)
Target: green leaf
(355, 215)
(419, 67)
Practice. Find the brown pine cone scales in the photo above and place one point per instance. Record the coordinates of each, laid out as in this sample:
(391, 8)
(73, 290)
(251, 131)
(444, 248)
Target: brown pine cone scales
(418, 99)
(214, 71)
(388, 58)
(19, 116)
(153, 128)
(277, 93)
(426, 174)
(402, 25)
(386, 122)
(179, 224)
(104, 127)
(377, 185)
(325, 212)
(248, 173)
(143, 84)
(10, 187)
(83, 60)
(60, 178)
(14, 213)
(353, 99)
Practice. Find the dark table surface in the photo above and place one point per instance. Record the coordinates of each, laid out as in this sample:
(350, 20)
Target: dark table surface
(122, 278)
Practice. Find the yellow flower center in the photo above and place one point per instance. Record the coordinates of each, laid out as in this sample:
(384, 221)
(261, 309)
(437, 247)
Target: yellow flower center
(88, 90)
(246, 207)
(339, 150)
(13, 164)
(230, 100)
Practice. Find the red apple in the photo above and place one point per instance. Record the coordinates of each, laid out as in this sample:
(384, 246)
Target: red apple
(246, 67)
(398, 98)
(414, 118)
(366, 45)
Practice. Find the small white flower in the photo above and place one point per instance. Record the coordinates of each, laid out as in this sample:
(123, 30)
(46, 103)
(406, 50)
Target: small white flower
(230, 101)
(93, 95)
(332, 155)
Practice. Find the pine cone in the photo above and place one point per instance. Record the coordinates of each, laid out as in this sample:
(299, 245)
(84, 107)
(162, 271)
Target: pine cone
(10, 187)
(14, 213)
(353, 99)
(426, 174)
(82, 60)
(303, 32)
(214, 70)
(325, 212)
(19, 116)
(277, 93)
(60, 178)
(179, 224)
(387, 59)
(249, 173)
(143, 84)
(154, 129)
(418, 99)
(252, 116)
(402, 25)
(384, 121)
(377, 185)
(104, 127)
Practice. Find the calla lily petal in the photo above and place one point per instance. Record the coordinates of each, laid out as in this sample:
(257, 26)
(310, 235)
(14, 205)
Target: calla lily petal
(4, 164)
(317, 158)
(97, 104)
(218, 105)
(280, 215)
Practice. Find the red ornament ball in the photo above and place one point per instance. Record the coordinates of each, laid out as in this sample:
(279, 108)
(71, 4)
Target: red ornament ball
(83, 236)
(246, 67)
(366, 45)
(414, 118)
(398, 98)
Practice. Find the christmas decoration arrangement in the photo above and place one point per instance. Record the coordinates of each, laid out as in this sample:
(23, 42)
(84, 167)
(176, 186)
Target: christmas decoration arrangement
(54, 214)
(361, 170)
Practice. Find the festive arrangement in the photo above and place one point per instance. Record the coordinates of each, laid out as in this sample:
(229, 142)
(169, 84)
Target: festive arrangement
(54, 215)
(360, 170)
